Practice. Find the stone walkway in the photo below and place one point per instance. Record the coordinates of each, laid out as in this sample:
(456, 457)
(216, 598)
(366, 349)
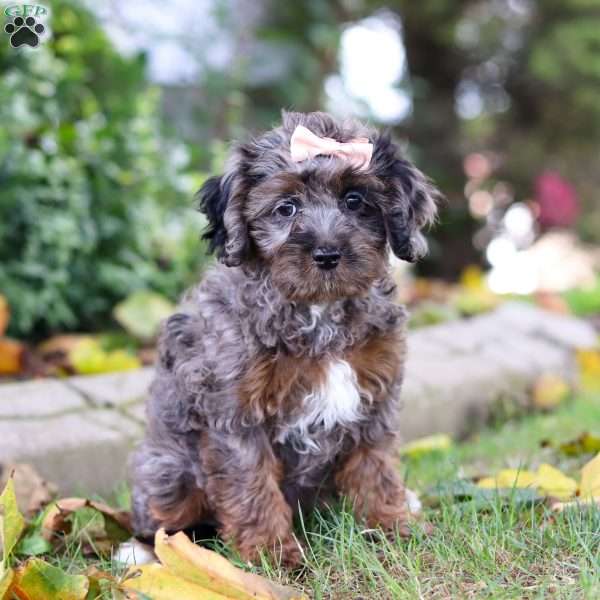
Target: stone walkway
(79, 431)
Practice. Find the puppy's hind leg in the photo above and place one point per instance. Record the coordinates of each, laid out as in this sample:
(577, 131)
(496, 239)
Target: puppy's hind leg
(165, 491)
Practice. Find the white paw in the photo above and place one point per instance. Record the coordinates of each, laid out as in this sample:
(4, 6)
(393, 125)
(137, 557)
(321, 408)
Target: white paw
(132, 553)
(413, 503)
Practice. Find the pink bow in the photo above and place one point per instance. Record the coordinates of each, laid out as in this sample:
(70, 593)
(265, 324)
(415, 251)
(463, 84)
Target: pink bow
(305, 145)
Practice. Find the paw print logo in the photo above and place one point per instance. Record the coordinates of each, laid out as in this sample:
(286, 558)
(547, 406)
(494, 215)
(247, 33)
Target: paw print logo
(24, 32)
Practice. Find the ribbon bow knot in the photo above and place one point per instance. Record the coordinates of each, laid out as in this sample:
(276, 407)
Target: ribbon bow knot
(305, 145)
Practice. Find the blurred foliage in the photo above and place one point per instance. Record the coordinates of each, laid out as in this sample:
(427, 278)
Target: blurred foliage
(91, 193)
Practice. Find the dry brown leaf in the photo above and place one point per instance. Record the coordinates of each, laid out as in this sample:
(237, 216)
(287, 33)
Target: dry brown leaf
(32, 490)
(11, 356)
(55, 351)
(212, 571)
(55, 521)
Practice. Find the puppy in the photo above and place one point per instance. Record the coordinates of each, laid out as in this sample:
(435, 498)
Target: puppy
(277, 384)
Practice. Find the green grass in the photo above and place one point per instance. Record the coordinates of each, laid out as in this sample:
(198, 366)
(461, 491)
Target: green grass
(504, 551)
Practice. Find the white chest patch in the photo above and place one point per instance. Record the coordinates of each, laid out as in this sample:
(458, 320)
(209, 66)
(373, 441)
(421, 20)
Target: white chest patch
(335, 403)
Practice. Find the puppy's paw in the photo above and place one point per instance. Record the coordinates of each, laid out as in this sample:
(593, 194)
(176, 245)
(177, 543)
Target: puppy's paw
(286, 552)
(292, 553)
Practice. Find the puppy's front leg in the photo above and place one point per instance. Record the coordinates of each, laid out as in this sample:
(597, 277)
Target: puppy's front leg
(368, 478)
(243, 478)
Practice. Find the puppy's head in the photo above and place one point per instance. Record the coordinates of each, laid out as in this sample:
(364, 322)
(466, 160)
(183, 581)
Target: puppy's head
(321, 226)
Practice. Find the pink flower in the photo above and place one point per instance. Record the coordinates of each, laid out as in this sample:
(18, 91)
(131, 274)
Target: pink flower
(557, 200)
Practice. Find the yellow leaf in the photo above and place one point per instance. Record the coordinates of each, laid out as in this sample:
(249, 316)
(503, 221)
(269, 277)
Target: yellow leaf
(549, 391)
(38, 580)
(158, 583)
(212, 571)
(488, 483)
(590, 479)
(472, 278)
(548, 480)
(6, 579)
(553, 482)
(13, 523)
(589, 369)
(509, 478)
(142, 313)
(88, 357)
(425, 445)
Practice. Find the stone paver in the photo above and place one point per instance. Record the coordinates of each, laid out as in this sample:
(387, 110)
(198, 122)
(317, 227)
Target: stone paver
(78, 432)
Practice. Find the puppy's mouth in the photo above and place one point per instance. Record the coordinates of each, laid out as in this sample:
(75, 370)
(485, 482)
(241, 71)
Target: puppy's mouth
(327, 279)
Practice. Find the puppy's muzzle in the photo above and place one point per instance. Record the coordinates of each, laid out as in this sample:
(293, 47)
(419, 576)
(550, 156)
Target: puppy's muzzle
(326, 258)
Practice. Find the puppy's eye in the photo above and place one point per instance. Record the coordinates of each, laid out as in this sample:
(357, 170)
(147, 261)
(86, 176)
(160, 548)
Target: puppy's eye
(287, 209)
(353, 200)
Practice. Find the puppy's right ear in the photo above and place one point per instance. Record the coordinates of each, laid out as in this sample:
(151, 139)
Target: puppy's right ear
(220, 200)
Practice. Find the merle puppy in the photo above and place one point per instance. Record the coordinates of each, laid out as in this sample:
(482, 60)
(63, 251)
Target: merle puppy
(278, 380)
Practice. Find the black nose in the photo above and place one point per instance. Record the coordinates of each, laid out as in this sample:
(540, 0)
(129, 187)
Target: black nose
(326, 258)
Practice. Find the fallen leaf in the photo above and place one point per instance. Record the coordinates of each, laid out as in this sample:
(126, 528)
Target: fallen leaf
(470, 496)
(32, 490)
(584, 444)
(4, 314)
(549, 391)
(12, 521)
(212, 571)
(56, 350)
(547, 479)
(88, 357)
(11, 356)
(472, 278)
(590, 479)
(33, 544)
(117, 524)
(38, 580)
(552, 482)
(589, 369)
(509, 478)
(142, 313)
(158, 583)
(433, 443)
(100, 582)
(6, 579)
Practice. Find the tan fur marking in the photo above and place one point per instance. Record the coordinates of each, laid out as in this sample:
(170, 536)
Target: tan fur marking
(370, 480)
(192, 509)
(275, 381)
(377, 363)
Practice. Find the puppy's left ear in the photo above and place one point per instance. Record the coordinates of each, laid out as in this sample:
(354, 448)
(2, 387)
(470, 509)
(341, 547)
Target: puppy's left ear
(221, 199)
(410, 203)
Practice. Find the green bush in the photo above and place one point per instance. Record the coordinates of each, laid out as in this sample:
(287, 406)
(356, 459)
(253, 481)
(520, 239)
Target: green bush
(94, 201)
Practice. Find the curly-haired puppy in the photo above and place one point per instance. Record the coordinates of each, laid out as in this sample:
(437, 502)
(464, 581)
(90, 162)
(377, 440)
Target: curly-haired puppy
(278, 379)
